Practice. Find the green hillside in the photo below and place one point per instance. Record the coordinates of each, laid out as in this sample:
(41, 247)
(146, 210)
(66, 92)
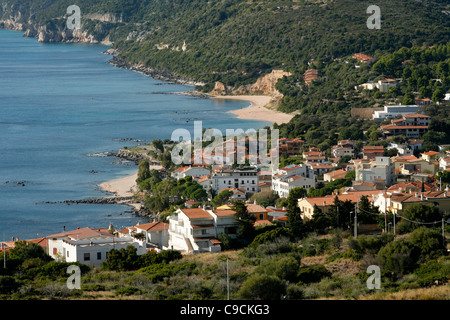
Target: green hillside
(236, 41)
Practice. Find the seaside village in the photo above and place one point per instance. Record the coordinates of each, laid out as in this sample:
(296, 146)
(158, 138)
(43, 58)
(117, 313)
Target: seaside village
(390, 182)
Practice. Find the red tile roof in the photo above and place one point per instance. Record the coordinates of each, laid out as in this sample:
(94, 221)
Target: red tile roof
(153, 226)
(196, 213)
(416, 115)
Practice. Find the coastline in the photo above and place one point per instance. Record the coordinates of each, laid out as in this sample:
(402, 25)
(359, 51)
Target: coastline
(257, 109)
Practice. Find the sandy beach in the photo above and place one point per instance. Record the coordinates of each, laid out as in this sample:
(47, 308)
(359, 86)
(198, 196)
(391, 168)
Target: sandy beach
(257, 109)
(125, 186)
(122, 187)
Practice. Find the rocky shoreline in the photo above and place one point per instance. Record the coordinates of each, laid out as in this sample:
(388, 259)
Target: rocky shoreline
(119, 62)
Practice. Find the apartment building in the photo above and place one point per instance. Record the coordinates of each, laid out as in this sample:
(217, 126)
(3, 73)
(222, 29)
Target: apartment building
(381, 171)
(242, 178)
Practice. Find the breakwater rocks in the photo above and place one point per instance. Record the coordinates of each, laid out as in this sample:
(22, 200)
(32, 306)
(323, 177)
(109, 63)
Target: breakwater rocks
(105, 200)
(132, 155)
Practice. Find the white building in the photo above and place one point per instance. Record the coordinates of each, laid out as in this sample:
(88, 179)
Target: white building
(296, 169)
(343, 148)
(382, 85)
(156, 234)
(385, 84)
(246, 178)
(394, 111)
(88, 246)
(444, 163)
(196, 230)
(381, 171)
(193, 171)
(282, 184)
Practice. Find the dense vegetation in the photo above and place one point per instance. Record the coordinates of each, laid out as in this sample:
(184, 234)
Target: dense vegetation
(236, 41)
(270, 268)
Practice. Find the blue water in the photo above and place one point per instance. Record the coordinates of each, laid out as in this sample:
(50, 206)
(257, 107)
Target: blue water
(62, 103)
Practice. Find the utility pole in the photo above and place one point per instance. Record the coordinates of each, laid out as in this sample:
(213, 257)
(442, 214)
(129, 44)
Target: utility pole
(228, 280)
(385, 212)
(443, 232)
(356, 220)
(394, 223)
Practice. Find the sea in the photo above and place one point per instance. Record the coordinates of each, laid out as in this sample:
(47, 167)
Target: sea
(63, 110)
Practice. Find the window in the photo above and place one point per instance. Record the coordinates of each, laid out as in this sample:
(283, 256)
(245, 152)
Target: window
(204, 231)
(67, 254)
(99, 256)
(87, 257)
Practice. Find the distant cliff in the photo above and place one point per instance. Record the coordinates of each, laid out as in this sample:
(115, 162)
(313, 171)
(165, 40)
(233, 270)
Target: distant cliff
(233, 45)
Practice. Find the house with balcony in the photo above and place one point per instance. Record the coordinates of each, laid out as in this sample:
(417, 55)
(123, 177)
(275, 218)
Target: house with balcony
(444, 163)
(241, 178)
(412, 126)
(290, 146)
(343, 148)
(195, 230)
(378, 171)
(396, 202)
(371, 152)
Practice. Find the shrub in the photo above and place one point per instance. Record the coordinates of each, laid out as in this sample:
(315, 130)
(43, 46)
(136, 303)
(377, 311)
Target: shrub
(127, 291)
(396, 257)
(285, 268)
(8, 284)
(267, 236)
(428, 243)
(157, 272)
(418, 212)
(312, 273)
(433, 271)
(262, 287)
(352, 254)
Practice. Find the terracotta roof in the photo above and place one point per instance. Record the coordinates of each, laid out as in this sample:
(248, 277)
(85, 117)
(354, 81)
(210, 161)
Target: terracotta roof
(336, 173)
(224, 212)
(430, 153)
(361, 57)
(252, 208)
(353, 196)
(404, 158)
(416, 115)
(196, 213)
(153, 226)
(375, 148)
(261, 223)
(388, 80)
(79, 233)
(391, 126)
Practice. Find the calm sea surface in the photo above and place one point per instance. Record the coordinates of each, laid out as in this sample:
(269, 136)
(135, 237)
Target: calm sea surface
(62, 107)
